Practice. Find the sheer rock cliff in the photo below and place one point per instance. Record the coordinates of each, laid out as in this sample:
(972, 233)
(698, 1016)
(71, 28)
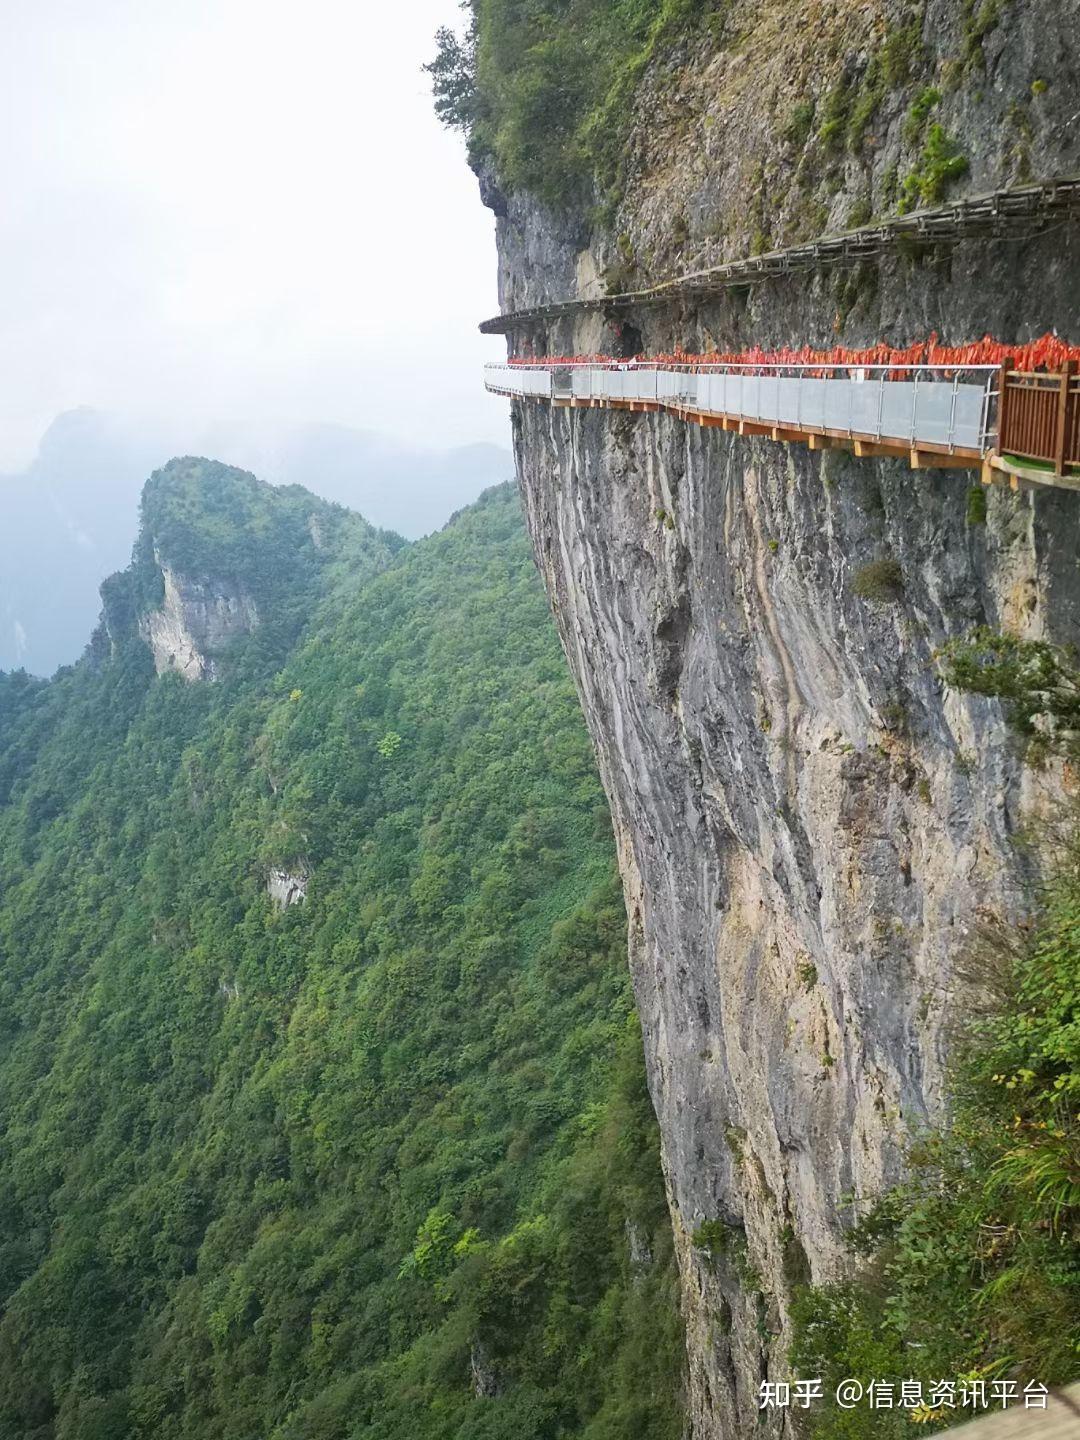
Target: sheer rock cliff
(811, 828)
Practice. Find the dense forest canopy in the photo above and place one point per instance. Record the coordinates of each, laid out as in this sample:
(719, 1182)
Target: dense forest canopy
(377, 1164)
(382, 1163)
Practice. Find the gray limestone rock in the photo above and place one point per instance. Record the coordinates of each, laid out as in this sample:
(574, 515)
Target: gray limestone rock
(811, 829)
(196, 621)
(286, 887)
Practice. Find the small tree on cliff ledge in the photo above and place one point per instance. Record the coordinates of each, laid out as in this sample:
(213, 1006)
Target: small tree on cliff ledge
(453, 77)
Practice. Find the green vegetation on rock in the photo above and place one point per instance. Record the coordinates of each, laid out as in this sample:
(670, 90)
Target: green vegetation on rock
(971, 1267)
(546, 90)
(881, 581)
(549, 95)
(939, 163)
(380, 1164)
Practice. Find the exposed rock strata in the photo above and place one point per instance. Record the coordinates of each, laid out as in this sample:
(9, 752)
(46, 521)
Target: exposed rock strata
(809, 827)
(717, 165)
(287, 887)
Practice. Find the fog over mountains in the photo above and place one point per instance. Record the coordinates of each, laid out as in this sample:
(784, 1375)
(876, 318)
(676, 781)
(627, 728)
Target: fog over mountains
(69, 519)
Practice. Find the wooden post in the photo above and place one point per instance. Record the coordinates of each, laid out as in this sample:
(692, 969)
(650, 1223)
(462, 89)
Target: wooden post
(1003, 390)
(1067, 372)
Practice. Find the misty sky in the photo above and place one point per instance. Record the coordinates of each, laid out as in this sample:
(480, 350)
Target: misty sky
(237, 209)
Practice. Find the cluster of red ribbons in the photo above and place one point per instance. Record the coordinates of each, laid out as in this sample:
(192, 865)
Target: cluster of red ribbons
(1047, 353)
(575, 360)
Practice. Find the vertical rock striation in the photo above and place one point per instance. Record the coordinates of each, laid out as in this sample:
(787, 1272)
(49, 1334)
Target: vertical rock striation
(809, 827)
(196, 620)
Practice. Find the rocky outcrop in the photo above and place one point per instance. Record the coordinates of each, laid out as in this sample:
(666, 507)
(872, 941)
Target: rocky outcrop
(811, 829)
(286, 887)
(548, 255)
(781, 123)
(195, 622)
(483, 1373)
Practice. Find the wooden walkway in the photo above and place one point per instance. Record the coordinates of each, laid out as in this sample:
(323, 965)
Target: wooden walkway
(1059, 1421)
(1020, 212)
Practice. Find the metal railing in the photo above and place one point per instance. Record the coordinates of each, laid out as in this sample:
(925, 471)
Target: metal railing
(946, 408)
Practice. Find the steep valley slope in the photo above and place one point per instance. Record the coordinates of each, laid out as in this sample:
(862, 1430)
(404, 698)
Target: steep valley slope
(324, 1111)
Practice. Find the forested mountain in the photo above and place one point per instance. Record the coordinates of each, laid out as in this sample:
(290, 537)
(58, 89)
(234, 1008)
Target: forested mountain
(324, 1113)
(69, 518)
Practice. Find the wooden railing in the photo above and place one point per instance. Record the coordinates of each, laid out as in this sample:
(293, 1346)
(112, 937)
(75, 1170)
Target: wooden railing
(1039, 416)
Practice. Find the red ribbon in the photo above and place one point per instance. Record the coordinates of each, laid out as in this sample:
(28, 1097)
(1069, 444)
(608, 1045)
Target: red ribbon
(1049, 352)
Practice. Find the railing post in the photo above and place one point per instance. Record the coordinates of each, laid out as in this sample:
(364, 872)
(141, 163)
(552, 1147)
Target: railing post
(1003, 409)
(1067, 372)
(984, 415)
(952, 413)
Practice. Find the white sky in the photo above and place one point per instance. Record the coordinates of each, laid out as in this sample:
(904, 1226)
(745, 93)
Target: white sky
(237, 209)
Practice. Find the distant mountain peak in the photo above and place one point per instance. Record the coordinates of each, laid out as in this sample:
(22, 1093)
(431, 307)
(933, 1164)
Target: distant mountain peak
(70, 517)
(219, 555)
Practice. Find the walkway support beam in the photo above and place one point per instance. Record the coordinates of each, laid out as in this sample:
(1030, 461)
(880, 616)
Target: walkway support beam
(1061, 435)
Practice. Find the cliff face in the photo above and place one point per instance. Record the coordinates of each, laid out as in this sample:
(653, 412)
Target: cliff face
(786, 122)
(196, 621)
(811, 829)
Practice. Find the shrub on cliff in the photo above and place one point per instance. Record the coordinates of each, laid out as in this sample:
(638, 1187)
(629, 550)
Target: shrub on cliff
(971, 1267)
(881, 581)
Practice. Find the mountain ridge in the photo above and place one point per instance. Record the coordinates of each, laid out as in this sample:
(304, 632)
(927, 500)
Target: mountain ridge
(70, 515)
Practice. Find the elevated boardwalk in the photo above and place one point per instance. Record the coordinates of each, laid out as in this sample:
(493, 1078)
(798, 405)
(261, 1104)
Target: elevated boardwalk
(1059, 1421)
(1018, 212)
(1021, 426)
